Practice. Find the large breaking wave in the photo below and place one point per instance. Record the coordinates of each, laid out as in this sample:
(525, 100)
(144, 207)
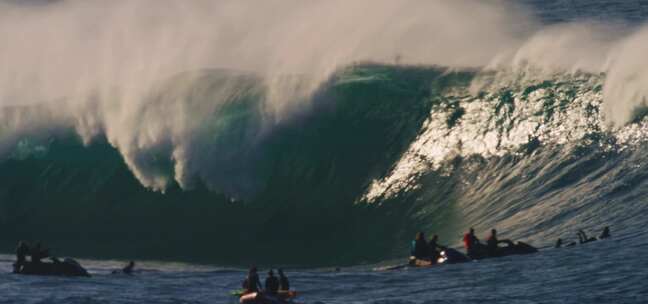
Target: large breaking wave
(270, 145)
(382, 151)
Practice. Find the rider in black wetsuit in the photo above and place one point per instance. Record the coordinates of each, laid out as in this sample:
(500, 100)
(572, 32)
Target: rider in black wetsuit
(605, 234)
(252, 282)
(492, 242)
(271, 283)
(435, 249)
(283, 280)
(38, 253)
(420, 247)
(21, 256)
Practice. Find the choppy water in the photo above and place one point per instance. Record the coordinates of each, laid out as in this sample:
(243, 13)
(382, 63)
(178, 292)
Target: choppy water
(609, 271)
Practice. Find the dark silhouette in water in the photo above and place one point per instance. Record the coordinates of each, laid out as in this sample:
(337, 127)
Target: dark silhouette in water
(605, 234)
(434, 249)
(582, 237)
(252, 282)
(129, 268)
(471, 242)
(21, 256)
(271, 283)
(283, 280)
(478, 251)
(38, 253)
(492, 242)
(420, 247)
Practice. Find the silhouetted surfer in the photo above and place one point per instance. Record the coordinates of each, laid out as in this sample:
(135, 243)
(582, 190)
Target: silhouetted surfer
(38, 253)
(21, 256)
(283, 280)
(492, 242)
(129, 268)
(605, 234)
(252, 282)
(435, 249)
(420, 247)
(271, 283)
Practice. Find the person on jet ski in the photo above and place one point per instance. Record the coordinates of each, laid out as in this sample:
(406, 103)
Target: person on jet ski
(271, 283)
(471, 242)
(492, 242)
(21, 256)
(420, 247)
(38, 253)
(283, 280)
(252, 282)
(434, 249)
(582, 237)
(605, 234)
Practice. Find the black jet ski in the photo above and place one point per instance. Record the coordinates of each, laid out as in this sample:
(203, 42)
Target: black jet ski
(68, 267)
(481, 252)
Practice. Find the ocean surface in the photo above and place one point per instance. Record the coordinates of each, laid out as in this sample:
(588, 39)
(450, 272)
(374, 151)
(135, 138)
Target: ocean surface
(197, 145)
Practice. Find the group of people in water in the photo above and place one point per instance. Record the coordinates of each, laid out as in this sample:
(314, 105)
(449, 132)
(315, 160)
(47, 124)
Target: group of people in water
(273, 284)
(583, 238)
(37, 253)
(475, 249)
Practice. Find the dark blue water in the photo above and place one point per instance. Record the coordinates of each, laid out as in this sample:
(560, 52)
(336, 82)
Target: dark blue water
(348, 186)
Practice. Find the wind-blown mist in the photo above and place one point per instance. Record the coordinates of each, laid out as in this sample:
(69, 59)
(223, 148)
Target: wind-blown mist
(135, 72)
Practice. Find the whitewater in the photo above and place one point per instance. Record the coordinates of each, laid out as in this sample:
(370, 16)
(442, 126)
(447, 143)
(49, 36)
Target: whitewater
(201, 137)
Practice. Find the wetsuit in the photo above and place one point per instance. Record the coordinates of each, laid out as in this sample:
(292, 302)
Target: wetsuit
(420, 249)
(252, 283)
(283, 282)
(21, 256)
(272, 285)
(491, 244)
(434, 253)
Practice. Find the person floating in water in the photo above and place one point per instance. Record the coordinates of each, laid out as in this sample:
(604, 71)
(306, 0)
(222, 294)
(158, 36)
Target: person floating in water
(434, 249)
(129, 268)
(492, 242)
(420, 247)
(471, 242)
(605, 234)
(21, 256)
(271, 284)
(582, 237)
(283, 280)
(252, 282)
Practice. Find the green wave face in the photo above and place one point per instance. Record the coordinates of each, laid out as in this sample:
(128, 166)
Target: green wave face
(287, 195)
(378, 153)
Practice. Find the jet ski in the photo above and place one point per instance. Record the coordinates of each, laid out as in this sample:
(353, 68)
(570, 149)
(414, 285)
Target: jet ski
(446, 256)
(518, 248)
(68, 267)
(282, 297)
